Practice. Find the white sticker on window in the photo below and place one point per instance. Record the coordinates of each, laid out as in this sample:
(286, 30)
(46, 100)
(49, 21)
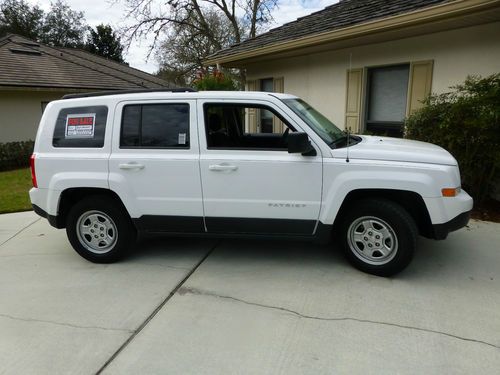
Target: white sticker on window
(182, 138)
(80, 125)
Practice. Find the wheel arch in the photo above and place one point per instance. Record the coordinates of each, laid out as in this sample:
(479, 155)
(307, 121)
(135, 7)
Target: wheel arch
(411, 201)
(70, 196)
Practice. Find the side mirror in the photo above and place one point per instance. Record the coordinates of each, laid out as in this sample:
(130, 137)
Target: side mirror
(300, 143)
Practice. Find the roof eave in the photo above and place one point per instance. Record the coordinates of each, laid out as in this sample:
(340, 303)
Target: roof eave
(51, 87)
(421, 16)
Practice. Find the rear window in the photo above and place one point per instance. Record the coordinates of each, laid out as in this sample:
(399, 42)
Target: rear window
(155, 126)
(80, 127)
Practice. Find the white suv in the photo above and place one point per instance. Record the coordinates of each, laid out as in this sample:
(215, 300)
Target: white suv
(107, 166)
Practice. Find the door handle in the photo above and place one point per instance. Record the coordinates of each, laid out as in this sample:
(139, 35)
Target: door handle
(222, 167)
(131, 165)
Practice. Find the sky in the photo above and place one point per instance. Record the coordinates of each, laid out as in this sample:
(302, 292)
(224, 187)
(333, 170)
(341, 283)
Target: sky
(113, 12)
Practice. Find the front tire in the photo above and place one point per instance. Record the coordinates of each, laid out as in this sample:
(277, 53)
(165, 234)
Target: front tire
(378, 236)
(99, 229)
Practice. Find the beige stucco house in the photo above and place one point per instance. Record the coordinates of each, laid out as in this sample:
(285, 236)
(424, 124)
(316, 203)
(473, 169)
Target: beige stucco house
(366, 64)
(33, 74)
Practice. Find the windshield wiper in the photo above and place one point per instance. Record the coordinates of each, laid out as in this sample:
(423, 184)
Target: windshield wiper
(352, 140)
(338, 140)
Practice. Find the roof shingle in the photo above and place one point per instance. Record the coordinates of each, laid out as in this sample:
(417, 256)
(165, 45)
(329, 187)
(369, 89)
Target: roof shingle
(26, 63)
(342, 14)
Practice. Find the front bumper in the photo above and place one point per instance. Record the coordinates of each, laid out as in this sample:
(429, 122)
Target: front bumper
(440, 231)
(448, 214)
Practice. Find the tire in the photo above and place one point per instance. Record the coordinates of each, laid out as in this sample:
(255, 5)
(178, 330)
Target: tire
(99, 229)
(378, 236)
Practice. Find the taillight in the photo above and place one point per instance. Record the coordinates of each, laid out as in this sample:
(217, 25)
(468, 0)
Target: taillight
(33, 174)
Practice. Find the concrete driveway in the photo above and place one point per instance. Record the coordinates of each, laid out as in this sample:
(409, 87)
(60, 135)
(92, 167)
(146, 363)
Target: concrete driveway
(187, 306)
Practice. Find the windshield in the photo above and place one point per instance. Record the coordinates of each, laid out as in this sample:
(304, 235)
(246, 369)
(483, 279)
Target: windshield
(319, 123)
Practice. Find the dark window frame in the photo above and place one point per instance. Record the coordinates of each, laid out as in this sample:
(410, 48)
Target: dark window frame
(141, 105)
(248, 105)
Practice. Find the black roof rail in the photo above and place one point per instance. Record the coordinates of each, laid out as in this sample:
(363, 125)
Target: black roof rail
(120, 92)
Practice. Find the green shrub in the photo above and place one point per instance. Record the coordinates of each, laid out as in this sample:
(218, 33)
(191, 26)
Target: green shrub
(466, 122)
(15, 155)
(214, 81)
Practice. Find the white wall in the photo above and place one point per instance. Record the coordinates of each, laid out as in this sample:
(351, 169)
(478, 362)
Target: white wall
(20, 113)
(321, 78)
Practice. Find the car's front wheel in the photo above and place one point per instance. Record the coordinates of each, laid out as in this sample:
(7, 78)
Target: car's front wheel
(378, 236)
(99, 229)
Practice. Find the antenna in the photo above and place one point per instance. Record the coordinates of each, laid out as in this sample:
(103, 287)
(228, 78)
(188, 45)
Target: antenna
(348, 143)
(348, 129)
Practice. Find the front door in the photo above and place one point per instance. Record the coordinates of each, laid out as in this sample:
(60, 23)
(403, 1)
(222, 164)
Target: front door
(251, 184)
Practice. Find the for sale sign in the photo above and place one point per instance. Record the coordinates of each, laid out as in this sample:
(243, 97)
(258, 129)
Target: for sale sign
(80, 125)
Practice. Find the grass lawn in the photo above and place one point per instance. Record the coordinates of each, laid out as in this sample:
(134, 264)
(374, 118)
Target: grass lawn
(14, 187)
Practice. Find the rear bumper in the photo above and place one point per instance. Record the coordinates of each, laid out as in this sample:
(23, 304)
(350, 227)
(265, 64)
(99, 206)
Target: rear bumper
(53, 220)
(440, 231)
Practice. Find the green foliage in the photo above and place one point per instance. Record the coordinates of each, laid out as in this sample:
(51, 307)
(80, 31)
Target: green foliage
(60, 27)
(173, 75)
(103, 41)
(18, 17)
(63, 27)
(15, 155)
(14, 190)
(214, 81)
(466, 122)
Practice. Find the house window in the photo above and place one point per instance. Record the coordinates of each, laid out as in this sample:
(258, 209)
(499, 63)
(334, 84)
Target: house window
(266, 117)
(264, 120)
(387, 91)
(392, 92)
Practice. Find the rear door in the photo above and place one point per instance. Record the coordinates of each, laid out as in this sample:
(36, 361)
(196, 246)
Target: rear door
(154, 164)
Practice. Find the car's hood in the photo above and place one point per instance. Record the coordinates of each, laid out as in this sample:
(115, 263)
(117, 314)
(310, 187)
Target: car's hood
(396, 149)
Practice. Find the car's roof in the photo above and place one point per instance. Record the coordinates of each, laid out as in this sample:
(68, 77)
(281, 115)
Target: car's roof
(180, 95)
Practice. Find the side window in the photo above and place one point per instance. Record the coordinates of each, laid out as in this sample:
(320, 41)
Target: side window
(80, 127)
(155, 126)
(237, 126)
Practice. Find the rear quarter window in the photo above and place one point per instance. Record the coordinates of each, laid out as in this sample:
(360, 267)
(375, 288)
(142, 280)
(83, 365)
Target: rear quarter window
(80, 127)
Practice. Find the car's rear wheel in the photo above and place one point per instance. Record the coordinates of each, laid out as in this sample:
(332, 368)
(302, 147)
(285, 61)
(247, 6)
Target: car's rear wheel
(99, 229)
(378, 236)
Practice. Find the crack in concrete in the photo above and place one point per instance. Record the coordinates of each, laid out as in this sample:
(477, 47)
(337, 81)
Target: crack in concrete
(163, 266)
(156, 310)
(7, 316)
(194, 291)
(19, 231)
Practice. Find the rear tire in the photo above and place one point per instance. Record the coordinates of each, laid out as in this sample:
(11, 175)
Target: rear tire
(99, 229)
(378, 236)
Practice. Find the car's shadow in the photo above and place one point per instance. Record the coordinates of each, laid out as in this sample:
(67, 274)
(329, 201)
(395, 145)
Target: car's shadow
(432, 260)
(162, 247)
